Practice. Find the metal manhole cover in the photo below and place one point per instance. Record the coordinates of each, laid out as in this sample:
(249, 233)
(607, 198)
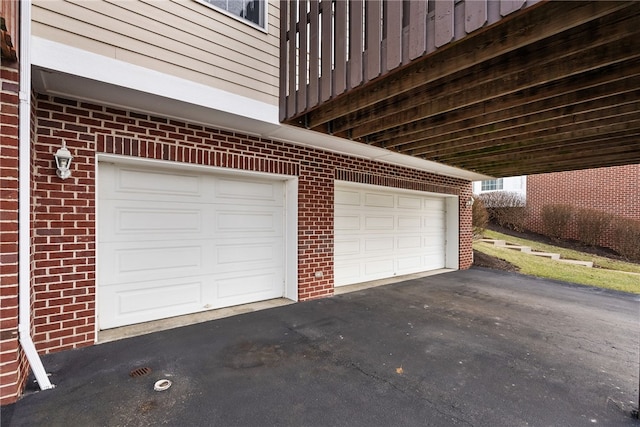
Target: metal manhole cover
(140, 372)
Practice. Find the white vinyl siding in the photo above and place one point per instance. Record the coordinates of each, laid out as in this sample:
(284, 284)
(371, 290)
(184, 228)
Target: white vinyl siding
(186, 39)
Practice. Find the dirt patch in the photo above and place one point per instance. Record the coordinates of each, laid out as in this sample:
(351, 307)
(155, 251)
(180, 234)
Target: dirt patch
(487, 261)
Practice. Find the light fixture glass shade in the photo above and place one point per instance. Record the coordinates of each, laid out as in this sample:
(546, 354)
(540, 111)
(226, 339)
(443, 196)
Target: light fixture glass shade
(63, 161)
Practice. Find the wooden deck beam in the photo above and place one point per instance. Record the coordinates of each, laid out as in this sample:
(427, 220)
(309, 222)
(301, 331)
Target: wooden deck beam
(554, 86)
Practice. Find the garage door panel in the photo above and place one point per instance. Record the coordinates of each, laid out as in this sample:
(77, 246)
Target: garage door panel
(433, 204)
(144, 184)
(173, 243)
(408, 263)
(378, 244)
(433, 261)
(347, 271)
(379, 200)
(343, 197)
(433, 235)
(247, 191)
(158, 258)
(432, 248)
(127, 303)
(431, 251)
(408, 242)
(408, 202)
(378, 268)
(142, 261)
(347, 223)
(433, 228)
(158, 220)
(162, 184)
(153, 221)
(345, 247)
(433, 245)
(381, 232)
(434, 222)
(245, 288)
(409, 222)
(379, 222)
(160, 297)
(248, 221)
(230, 257)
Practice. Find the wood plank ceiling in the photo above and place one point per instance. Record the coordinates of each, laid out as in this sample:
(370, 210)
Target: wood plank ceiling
(551, 88)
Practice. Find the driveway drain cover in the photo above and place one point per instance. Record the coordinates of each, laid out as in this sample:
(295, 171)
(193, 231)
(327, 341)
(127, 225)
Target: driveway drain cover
(140, 372)
(162, 385)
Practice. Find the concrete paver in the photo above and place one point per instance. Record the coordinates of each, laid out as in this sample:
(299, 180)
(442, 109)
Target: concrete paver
(472, 348)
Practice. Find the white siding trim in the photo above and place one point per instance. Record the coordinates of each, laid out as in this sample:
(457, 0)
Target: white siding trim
(60, 57)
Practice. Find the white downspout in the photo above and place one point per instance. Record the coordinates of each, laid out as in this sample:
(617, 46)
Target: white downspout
(24, 203)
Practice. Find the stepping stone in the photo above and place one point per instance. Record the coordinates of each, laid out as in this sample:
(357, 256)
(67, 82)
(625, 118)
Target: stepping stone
(528, 250)
(587, 264)
(547, 255)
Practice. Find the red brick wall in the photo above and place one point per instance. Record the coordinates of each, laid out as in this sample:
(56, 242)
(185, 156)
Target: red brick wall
(63, 232)
(614, 189)
(64, 247)
(466, 230)
(13, 364)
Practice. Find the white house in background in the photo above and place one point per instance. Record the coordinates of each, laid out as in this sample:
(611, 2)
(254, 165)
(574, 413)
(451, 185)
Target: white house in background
(515, 184)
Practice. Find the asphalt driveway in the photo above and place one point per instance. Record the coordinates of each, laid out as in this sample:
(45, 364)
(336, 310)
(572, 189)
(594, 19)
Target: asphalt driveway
(472, 348)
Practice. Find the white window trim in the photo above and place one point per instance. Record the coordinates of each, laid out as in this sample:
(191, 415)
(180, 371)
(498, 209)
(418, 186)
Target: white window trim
(497, 181)
(240, 19)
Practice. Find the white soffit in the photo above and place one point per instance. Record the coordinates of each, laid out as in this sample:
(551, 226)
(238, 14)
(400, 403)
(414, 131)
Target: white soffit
(66, 71)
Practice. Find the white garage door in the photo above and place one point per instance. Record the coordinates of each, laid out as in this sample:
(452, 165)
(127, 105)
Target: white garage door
(382, 232)
(175, 242)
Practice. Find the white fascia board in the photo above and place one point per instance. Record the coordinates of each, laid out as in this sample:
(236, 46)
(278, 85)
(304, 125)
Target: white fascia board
(98, 78)
(323, 141)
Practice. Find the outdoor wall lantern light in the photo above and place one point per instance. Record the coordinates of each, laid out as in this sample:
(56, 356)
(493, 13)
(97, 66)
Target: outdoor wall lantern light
(63, 161)
(470, 201)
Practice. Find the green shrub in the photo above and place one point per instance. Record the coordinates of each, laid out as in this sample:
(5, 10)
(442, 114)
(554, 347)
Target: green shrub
(626, 238)
(505, 208)
(479, 217)
(591, 224)
(555, 219)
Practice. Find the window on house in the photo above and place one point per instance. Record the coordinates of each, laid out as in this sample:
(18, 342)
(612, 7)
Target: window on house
(248, 10)
(492, 185)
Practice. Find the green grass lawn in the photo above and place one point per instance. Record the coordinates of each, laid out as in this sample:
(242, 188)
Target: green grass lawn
(610, 274)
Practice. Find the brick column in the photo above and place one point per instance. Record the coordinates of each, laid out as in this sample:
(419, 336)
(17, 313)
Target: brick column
(466, 228)
(13, 363)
